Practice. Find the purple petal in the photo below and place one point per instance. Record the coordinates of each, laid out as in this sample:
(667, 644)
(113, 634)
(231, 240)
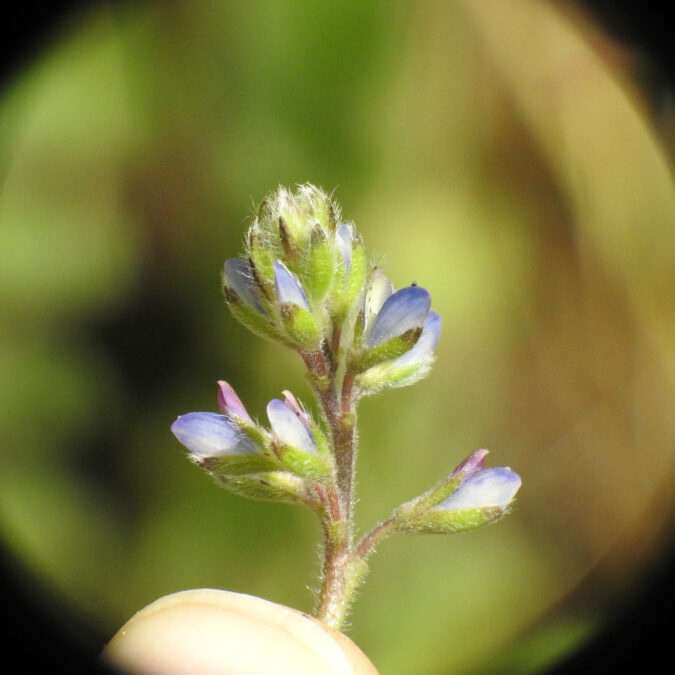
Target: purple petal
(496, 487)
(229, 402)
(473, 463)
(239, 278)
(379, 290)
(288, 428)
(426, 342)
(292, 403)
(405, 309)
(343, 237)
(287, 287)
(208, 434)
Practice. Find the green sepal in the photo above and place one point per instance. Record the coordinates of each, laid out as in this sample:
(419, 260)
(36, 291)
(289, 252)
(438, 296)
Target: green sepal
(412, 510)
(440, 521)
(249, 316)
(422, 515)
(294, 220)
(259, 436)
(274, 486)
(236, 465)
(321, 266)
(322, 446)
(300, 325)
(267, 293)
(323, 212)
(358, 328)
(337, 298)
(288, 243)
(262, 253)
(304, 464)
(348, 288)
(357, 273)
(331, 216)
(387, 351)
(389, 376)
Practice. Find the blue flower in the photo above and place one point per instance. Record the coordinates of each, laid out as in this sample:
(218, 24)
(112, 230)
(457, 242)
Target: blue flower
(207, 434)
(287, 287)
(240, 280)
(290, 424)
(425, 345)
(494, 487)
(344, 236)
(388, 314)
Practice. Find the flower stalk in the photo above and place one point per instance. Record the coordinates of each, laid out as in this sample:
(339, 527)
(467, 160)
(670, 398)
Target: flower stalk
(304, 282)
(342, 569)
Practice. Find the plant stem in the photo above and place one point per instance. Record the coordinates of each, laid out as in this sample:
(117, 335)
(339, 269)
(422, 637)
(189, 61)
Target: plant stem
(344, 564)
(333, 597)
(341, 569)
(367, 545)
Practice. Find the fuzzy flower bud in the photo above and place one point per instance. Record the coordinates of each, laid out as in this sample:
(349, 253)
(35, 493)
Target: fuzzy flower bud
(207, 434)
(400, 334)
(239, 280)
(404, 310)
(289, 427)
(495, 487)
(295, 438)
(302, 273)
(287, 288)
(471, 496)
(238, 452)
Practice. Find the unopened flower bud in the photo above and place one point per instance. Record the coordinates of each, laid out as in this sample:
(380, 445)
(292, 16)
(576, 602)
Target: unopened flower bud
(247, 294)
(402, 311)
(295, 441)
(287, 287)
(469, 497)
(286, 218)
(321, 265)
(494, 487)
(239, 281)
(207, 434)
(289, 427)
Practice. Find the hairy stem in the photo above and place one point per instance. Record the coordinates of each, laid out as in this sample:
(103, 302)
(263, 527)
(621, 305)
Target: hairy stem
(367, 545)
(333, 601)
(342, 570)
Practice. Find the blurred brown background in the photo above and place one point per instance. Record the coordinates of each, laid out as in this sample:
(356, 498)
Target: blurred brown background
(509, 156)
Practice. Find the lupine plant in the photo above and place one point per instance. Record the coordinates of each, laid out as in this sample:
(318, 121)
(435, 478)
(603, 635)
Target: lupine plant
(305, 282)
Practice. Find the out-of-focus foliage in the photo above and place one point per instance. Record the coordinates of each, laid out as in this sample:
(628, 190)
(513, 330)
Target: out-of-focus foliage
(497, 153)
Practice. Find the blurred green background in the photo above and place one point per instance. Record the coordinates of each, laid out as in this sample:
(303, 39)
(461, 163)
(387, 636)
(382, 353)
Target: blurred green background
(499, 153)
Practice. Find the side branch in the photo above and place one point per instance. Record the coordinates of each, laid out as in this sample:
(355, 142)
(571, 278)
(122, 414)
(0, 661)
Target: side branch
(367, 544)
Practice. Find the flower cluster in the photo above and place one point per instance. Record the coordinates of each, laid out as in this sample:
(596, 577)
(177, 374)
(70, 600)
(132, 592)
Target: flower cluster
(305, 282)
(250, 459)
(302, 271)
